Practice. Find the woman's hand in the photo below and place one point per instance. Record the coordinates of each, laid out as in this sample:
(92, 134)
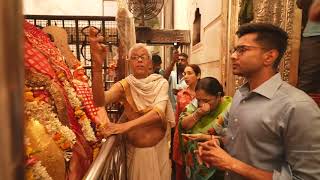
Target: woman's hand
(97, 49)
(198, 137)
(203, 109)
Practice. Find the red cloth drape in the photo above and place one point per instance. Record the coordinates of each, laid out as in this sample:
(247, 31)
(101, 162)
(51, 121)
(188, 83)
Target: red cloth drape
(43, 57)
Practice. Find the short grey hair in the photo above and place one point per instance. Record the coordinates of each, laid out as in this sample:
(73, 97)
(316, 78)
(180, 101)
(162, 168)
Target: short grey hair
(139, 46)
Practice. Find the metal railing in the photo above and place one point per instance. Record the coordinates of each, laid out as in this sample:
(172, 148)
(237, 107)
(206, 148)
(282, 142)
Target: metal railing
(110, 164)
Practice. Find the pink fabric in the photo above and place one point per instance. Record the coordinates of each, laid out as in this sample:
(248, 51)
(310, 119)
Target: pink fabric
(85, 92)
(184, 97)
(36, 62)
(180, 173)
(43, 57)
(43, 47)
(315, 97)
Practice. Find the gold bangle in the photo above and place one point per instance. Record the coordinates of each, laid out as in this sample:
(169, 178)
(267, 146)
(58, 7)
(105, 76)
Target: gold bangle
(194, 117)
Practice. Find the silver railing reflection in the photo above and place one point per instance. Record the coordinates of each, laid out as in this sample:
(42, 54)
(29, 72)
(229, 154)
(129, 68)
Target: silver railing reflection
(110, 163)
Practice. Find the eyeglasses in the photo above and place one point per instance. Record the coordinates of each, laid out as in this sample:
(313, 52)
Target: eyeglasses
(136, 58)
(240, 50)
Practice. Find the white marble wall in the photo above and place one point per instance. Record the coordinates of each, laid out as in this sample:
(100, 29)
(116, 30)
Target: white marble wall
(65, 7)
(207, 53)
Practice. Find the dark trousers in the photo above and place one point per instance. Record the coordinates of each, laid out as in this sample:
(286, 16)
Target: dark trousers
(309, 65)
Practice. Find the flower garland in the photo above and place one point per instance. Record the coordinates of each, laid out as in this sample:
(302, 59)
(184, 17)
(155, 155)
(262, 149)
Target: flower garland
(43, 112)
(34, 168)
(79, 113)
(42, 43)
(37, 172)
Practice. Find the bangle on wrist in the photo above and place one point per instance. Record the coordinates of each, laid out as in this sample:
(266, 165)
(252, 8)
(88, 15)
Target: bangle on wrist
(197, 113)
(195, 116)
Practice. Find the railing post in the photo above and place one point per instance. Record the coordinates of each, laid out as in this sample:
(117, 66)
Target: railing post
(11, 90)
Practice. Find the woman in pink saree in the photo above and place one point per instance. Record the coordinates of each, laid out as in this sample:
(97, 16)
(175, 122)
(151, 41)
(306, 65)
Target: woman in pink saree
(192, 74)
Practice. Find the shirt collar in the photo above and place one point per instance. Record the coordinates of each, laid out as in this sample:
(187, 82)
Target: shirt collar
(266, 89)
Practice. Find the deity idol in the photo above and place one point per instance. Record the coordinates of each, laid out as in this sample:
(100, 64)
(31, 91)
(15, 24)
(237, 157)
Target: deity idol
(59, 117)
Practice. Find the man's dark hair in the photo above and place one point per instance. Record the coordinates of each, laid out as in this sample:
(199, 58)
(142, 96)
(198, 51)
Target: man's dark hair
(211, 86)
(269, 36)
(156, 59)
(184, 55)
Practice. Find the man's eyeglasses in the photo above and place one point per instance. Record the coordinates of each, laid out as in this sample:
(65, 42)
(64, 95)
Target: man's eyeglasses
(136, 58)
(243, 48)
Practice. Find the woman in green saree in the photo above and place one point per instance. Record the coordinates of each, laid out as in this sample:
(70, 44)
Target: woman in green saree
(201, 119)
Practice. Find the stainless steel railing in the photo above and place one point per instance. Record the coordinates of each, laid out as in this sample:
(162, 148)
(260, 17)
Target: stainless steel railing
(110, 163)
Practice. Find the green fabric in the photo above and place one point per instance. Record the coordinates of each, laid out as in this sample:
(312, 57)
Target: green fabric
(246, 12)
(312, 29)
(207, 122)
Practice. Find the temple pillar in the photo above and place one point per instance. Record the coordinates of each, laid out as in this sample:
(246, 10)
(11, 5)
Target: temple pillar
(282, 13)
(11, 90)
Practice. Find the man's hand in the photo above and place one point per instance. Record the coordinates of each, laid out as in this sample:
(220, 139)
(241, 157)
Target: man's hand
(114, 128)
(213, 155)
(97, 49)
(175, 57)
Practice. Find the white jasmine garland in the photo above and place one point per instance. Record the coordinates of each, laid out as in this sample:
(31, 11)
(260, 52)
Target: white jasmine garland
(76, 104)
(87, 130)
(39, 172)
(72, 95)
(43, 112)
